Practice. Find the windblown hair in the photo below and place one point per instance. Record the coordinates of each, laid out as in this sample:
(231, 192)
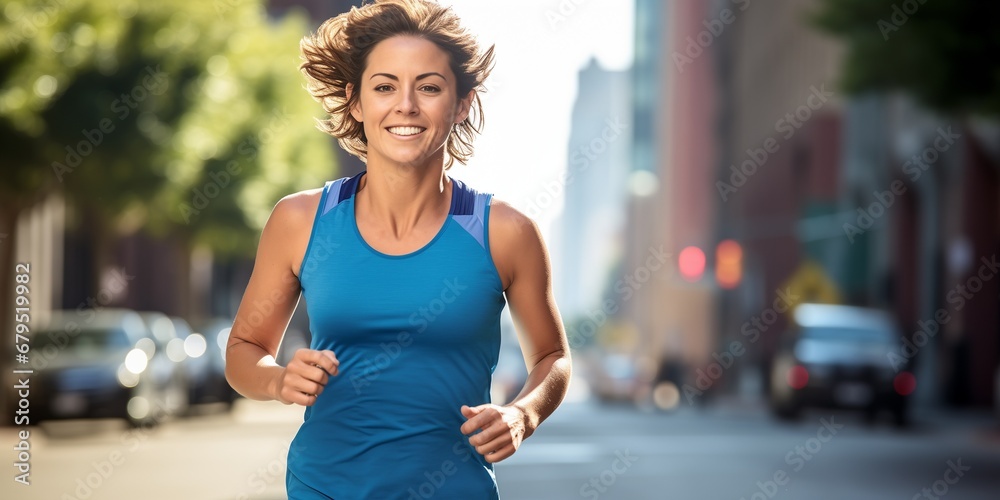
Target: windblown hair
(337, 54)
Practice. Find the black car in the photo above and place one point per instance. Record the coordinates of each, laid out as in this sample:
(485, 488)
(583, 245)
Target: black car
(842, 357)
(97, 364)
(174, 377)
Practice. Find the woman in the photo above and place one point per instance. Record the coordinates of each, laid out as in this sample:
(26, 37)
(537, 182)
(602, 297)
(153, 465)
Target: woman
(404, 271)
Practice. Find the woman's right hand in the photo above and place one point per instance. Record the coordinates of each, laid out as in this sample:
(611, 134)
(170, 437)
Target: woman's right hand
(305, 376)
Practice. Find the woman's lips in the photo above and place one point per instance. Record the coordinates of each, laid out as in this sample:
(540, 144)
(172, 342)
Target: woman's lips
(406, 132)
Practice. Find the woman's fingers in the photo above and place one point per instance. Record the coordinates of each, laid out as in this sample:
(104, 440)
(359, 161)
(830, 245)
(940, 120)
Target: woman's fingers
(501, 430)
(301, 391)
(299, 398)
(307, 386)
(498, 436)
(326, 360)
(312, 372)
(501, 454)
(306, 375)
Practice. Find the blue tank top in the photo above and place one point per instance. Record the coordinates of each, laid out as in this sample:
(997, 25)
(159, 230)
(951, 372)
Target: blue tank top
(417, 336)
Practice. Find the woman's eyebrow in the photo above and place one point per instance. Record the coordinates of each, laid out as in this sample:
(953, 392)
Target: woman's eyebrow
(425, 75)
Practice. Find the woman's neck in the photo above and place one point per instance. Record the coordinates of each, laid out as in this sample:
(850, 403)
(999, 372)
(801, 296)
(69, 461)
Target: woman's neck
(402, 198)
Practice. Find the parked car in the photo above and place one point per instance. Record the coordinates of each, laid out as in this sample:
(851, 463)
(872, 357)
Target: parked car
(213, 386)
(843, 357)
(174, 379)
(97, 364)
(616, 378)
(201, 366)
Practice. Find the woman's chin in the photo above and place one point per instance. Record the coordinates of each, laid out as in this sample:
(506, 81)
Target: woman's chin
(411, 158)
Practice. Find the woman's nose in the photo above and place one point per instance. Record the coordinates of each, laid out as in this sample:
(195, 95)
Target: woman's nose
(406, 103)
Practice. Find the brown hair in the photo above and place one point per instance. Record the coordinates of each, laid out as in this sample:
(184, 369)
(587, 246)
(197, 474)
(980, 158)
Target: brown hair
(337, 54)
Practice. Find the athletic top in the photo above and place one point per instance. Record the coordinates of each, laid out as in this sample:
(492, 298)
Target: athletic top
(417, 337)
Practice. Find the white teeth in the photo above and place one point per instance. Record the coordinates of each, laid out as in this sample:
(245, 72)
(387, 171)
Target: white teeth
(405, 130)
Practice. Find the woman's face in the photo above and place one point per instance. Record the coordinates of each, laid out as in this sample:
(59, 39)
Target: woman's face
(408, 101)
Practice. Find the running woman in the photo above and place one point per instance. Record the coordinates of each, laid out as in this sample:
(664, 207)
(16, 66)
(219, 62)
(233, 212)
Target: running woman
(404, 271)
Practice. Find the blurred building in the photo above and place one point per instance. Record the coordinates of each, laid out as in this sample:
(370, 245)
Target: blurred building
(672, 196)
(743, 134)
(867, 200)
(775, 179)
(590, 225)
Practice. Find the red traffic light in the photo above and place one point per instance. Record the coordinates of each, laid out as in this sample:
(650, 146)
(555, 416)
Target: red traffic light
(691, 263)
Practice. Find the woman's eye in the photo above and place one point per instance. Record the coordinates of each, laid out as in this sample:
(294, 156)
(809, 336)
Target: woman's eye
(428, 88)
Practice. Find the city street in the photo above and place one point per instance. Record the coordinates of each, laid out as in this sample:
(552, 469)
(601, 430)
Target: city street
(584, 451)
(723, 212)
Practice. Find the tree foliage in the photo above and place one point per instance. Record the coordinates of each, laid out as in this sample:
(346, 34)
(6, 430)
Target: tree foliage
(178, 117)
(942, 52)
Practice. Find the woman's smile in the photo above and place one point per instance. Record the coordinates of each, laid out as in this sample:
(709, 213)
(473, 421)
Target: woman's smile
(406, 133)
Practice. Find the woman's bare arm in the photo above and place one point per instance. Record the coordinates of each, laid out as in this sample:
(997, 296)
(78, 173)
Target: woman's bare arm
(267, 306)
(536, 318)
(525, 269)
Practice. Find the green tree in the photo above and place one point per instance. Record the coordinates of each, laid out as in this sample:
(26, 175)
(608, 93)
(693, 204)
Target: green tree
(131, 109)
(942, 52)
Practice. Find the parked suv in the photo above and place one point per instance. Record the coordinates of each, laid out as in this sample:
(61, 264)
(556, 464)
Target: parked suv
(97, 364)
(844, 357)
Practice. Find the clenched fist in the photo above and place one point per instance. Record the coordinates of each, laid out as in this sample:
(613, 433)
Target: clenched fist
(305, 376)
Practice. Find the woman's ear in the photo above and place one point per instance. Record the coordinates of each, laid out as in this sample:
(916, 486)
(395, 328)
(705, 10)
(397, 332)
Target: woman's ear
(464, 106)
(356, 108)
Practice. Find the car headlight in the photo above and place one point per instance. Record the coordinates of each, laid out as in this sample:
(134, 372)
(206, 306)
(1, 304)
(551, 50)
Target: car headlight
(136, 361)
(126, 378)
(147, 346)
(195, 345)
(175, 350)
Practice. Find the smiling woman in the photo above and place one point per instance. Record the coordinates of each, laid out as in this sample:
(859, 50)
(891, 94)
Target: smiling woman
(405, 272)
(338, 54)
(388, 111)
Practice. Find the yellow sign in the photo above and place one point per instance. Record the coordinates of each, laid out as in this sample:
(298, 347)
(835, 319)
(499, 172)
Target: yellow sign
(810, 284)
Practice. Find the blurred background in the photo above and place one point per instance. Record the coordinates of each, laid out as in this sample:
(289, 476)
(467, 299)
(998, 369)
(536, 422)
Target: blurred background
(773, 227)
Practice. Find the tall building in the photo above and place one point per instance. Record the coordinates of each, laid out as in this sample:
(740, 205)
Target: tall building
(671, 205)
(883, 202)
(776, 176)
(635, 307)
(598, 163)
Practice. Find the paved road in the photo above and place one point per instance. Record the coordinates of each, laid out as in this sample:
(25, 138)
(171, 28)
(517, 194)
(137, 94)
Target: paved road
(584, 451)
(743, 453)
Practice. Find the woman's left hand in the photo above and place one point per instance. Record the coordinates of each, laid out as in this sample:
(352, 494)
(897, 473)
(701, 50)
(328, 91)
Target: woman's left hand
(503, 428)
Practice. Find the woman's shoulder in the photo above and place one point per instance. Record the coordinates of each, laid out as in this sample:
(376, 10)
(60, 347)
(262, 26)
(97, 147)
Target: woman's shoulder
(510, 226)
(515, 241)
(286, 233)
(297, 208)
